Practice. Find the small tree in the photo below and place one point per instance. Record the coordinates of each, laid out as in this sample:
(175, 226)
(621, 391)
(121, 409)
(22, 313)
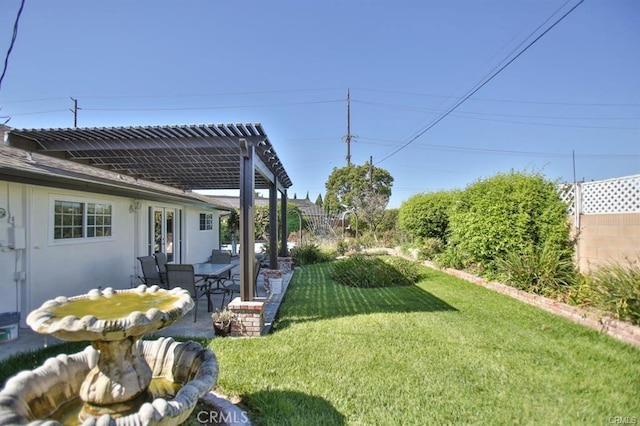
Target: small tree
(351, 181)
(370, 207)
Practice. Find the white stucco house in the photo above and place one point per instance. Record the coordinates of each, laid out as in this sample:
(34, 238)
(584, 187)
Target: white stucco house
(78, 206)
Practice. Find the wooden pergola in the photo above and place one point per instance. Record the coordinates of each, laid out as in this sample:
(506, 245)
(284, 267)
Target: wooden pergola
(188, 157)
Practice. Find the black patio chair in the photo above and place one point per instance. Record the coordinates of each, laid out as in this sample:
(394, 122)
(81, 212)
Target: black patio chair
(150, 273)
(232, 285)
(182, 275)
(161, 262)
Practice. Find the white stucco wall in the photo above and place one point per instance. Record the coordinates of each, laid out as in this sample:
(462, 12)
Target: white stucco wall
(200, 243)
(70, 267)
(11, 261)
(195, 245)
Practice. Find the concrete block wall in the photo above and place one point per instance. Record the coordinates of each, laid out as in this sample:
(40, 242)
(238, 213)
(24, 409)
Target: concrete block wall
(607, 239)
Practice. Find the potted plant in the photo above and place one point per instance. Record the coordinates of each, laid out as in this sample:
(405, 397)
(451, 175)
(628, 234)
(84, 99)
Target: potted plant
(222, 321)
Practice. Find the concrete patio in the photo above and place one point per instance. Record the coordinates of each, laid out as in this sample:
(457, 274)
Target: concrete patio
(28, 340)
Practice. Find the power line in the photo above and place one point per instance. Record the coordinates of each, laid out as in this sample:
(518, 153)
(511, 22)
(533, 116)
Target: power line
(417, 108)
(528, 123)
(213, 107)
(38, 112)
(479, 86)
(516, 101)
(508, 151)
(190, 95)
(13, 40)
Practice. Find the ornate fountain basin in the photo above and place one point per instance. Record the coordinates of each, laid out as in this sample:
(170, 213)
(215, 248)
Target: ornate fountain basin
(111, 315)
(113, 377)
(33, 396)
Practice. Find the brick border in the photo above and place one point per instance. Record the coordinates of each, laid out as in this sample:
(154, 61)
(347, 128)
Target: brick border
(591, 318)
(624, 331)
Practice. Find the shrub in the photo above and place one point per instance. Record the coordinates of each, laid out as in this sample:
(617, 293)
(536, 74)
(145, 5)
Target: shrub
(508, 213)
(308, 254)
(427, 215)
(409, 270)
(368, 271)
(547, 271)
(342, 247)
(430, 248)
(453, 257)
(616, 289)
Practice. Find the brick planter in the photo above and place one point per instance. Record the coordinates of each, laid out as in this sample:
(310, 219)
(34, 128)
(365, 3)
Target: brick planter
(249, 318)
(284, 264)
(268, 274)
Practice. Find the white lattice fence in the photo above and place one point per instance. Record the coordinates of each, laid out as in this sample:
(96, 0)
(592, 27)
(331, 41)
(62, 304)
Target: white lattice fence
(567, 194)
(621, 195)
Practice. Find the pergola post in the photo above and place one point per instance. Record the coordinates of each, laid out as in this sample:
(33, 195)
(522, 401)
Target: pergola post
(283, 214)
(247, 238)
(273, 226)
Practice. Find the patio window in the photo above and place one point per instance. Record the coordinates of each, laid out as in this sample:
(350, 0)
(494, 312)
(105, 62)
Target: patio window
(206, 221)
(74, 219)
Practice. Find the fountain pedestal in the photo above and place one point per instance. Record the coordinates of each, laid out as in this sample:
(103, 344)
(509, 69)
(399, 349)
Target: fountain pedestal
(118, 384)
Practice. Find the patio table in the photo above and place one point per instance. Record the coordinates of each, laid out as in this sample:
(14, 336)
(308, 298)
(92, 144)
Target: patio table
(212, 272)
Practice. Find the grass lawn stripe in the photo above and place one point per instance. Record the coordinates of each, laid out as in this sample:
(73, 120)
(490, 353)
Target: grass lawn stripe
(443, 351)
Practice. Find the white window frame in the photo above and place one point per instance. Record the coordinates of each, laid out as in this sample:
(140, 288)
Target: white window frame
(53, 198)
(208, 222)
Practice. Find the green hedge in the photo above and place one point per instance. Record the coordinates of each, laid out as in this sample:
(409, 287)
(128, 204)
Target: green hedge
(373, 271)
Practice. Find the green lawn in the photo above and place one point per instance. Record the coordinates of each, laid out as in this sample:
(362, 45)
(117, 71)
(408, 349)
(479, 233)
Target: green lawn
(443, 351)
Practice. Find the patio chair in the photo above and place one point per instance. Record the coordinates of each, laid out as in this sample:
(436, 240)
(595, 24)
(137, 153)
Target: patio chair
(263, 259)
(181, 275)
(233, 285)
(161, 261)
(220, 256)
(150, 274)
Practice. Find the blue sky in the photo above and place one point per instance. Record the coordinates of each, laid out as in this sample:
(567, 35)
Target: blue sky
(288, 64)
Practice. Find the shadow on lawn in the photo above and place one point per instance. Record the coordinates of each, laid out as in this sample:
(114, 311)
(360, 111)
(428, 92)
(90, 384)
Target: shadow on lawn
(313, 295)
(288, 407)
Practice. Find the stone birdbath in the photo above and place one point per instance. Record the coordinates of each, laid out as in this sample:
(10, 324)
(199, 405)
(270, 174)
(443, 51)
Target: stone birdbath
(115, 387)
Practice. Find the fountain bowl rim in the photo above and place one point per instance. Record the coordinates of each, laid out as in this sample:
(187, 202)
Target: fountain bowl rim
(89, 327)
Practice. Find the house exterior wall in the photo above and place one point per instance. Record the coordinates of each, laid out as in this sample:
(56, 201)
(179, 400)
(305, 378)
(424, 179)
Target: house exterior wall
(71, 267)
(46, 268)
(200, 243)
(11, 261)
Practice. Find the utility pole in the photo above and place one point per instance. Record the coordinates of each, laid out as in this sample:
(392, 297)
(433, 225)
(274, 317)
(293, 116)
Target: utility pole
(348, 137)
(371, 171)
(75, 112)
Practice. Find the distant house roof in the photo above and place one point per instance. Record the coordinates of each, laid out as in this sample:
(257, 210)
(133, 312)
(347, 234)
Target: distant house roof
(307, 207)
